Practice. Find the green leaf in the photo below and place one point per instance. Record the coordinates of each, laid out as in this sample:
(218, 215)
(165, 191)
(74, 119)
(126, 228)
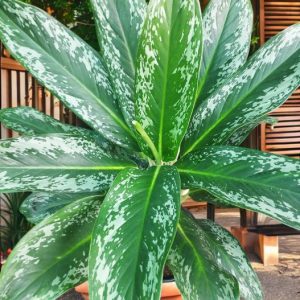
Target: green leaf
(227, 29)
(52, 258)
(57, 163)
(222, 248)
(29, 121)
(38, 206)
(65, 65)
(196, 273)
(119, 24)
(169, 57)
(249, 179)
(240, 135)
(200, 195)
(133, 234)
(259, 87)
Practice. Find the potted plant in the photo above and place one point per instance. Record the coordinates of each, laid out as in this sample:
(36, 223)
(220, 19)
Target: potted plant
(168, 100)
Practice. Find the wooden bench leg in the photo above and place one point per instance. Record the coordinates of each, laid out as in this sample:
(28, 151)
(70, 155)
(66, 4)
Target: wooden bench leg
(267, 249)
(248, 240)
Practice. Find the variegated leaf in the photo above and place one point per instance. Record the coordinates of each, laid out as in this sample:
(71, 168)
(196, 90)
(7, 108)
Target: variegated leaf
(66, 65)
(29, 121)
(200, 195)
(56, 163)
(250, 179)
(119, 24)
(227, 29)
(168, 64)
(241, 134)
(133, 234)
(197, 275)
(222, 248)
(259, 87)
(38, 206)
(53, 257)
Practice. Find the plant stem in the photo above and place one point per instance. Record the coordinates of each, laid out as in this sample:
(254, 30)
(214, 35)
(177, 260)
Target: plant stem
(147, 140)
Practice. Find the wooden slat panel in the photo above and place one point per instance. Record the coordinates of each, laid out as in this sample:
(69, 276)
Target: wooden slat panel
(284, 137)
(282, 3)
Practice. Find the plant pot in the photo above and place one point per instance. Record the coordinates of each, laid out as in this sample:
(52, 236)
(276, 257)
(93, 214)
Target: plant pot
(83, 289)
(169, 291)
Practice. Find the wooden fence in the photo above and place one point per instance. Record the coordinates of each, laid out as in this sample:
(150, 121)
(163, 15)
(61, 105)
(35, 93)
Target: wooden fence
(19, 88)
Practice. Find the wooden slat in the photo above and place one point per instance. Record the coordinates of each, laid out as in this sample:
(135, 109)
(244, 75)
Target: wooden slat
(287, 152)
(282, 17)
(18, 88)
(286, 124)
(279, 140)
(10, 64)
(283, 129)
(284, 23)
(283, 134)
(286, 109)
(275, 27)
(287, 118)
(283, 146)
(289, 4)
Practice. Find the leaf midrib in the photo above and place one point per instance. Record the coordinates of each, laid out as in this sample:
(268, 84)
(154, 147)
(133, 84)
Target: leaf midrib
(59, 259)
(196, 253)
(146, 209)
(131, 59)
(70, 251)
(203, 81)
(165, 85)
(229, 258)
(237, 103)
(246, 181)
(124, 39)
(59, 168)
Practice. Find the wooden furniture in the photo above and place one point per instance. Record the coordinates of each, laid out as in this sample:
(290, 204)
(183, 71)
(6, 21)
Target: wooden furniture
(267, 244)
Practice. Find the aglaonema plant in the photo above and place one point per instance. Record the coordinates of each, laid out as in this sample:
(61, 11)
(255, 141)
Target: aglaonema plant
(168, 101)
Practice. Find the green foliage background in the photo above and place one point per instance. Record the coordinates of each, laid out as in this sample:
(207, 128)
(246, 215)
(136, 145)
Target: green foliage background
(77, 15)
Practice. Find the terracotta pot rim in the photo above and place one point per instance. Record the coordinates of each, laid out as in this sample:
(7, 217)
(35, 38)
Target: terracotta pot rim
(169, 288)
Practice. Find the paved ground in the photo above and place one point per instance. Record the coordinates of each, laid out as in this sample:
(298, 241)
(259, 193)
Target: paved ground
(281, 282)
